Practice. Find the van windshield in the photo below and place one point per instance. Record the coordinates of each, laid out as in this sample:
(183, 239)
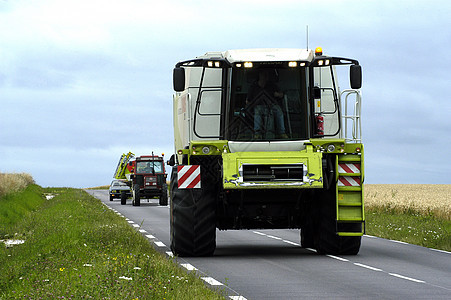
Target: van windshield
(268, 103)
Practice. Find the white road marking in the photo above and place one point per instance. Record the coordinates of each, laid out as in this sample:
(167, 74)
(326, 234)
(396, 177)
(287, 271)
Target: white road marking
(260, 233)
(160, 244)
(142, 231)
(442, 251)
(169, 253)
(337, 258)
(367, 267)
(291, 243)
(136, 225)
(237, 298)
(274, 237)
(407, 278)
(399, 242)
(211, 281)
(131, 222)
(189, 267)
(149, 236)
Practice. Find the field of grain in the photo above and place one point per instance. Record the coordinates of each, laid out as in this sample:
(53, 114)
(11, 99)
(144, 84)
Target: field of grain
(14, 182)
(428, 199)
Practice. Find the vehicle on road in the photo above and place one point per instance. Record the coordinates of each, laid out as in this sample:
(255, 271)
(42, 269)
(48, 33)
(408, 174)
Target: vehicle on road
(117, 188)
(145, 177)
(266, 139)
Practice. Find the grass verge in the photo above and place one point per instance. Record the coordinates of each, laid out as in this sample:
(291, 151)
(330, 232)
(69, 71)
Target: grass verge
(76, 248)
(409, 226)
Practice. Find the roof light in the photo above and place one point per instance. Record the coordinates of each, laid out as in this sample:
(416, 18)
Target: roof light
(320, 62)
(318, 51)
(293, 64)
(210, 64)
(238, 65)
(327, 62)
(302, 64)
(248, 64)
(217, 64)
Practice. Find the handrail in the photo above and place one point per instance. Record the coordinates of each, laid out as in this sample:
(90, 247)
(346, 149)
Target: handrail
(356, 132)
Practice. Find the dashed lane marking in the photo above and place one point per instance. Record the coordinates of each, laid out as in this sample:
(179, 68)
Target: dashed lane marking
(189, 267)
(211, 281)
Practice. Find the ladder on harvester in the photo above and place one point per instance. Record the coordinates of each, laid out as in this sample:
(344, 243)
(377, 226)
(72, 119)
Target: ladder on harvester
(350, 211)
(350, 171)
(122, 165)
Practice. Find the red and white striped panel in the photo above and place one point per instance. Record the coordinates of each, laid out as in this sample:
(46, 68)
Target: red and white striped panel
(188, 177)
(350, 168)
(348, 181)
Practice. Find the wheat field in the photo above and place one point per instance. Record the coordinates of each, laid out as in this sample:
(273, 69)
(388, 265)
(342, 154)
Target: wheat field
(430, 199)
(14, 182)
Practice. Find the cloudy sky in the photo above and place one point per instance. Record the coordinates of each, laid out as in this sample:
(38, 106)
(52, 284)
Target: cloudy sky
(82, 82)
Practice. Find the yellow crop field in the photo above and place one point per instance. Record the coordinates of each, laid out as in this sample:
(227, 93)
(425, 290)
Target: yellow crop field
(13, 182)
(432, 199)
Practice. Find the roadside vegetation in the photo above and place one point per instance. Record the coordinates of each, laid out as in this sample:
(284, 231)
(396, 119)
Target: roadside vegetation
(70, 246)
(413, 213)
(14, 182)
(73, 247)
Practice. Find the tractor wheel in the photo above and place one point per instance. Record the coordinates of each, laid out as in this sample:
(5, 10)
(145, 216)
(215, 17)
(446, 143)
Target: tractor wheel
(136, 201)
(123, 198)
(193, 220)
(164, 196)
(327, 240)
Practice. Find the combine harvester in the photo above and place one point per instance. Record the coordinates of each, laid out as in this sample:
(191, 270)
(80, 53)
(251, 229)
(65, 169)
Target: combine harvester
(145, 175)
(265, 139)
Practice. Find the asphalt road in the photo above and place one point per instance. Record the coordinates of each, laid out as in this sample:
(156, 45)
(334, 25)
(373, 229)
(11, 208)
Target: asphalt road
(270, 264)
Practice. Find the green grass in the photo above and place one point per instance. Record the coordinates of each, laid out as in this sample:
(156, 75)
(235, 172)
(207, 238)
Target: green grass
(409, 226)
(76, 248)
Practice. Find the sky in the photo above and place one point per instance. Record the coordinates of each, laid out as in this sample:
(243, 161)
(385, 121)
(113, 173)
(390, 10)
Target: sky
(82, 82)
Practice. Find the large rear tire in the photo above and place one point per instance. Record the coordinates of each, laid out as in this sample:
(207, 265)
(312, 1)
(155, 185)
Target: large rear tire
(327, 241)
(193, 219)
(136, 201)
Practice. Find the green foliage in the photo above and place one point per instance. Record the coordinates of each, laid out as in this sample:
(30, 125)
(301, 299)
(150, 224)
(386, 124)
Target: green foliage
(410, 226)
(15, 206)
(76, 248)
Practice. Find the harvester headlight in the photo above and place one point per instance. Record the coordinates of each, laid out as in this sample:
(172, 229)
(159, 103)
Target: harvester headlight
(210, 64)
(206, 150)
(217, 64)
(327, 62)
(238, 65)
(248, 64)
(320, 62)
(331, 148)
(293, 64)
(302, 64)
(180, 152)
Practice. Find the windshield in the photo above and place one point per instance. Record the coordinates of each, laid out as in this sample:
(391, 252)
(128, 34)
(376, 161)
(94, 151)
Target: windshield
(268, 103)
(149, 166)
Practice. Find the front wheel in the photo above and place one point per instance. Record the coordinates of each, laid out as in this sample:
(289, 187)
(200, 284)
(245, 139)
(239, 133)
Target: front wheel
(192, 224)
(164, 195)
(136, 196)
(123, 198)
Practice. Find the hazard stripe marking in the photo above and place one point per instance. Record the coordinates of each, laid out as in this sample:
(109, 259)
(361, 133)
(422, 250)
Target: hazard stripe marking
(349, 168)
(188, 177)
(348, 181)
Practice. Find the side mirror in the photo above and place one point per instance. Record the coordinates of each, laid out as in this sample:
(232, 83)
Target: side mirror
(355, 75)
(171, 161)
(179, 79)
(316, 92)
